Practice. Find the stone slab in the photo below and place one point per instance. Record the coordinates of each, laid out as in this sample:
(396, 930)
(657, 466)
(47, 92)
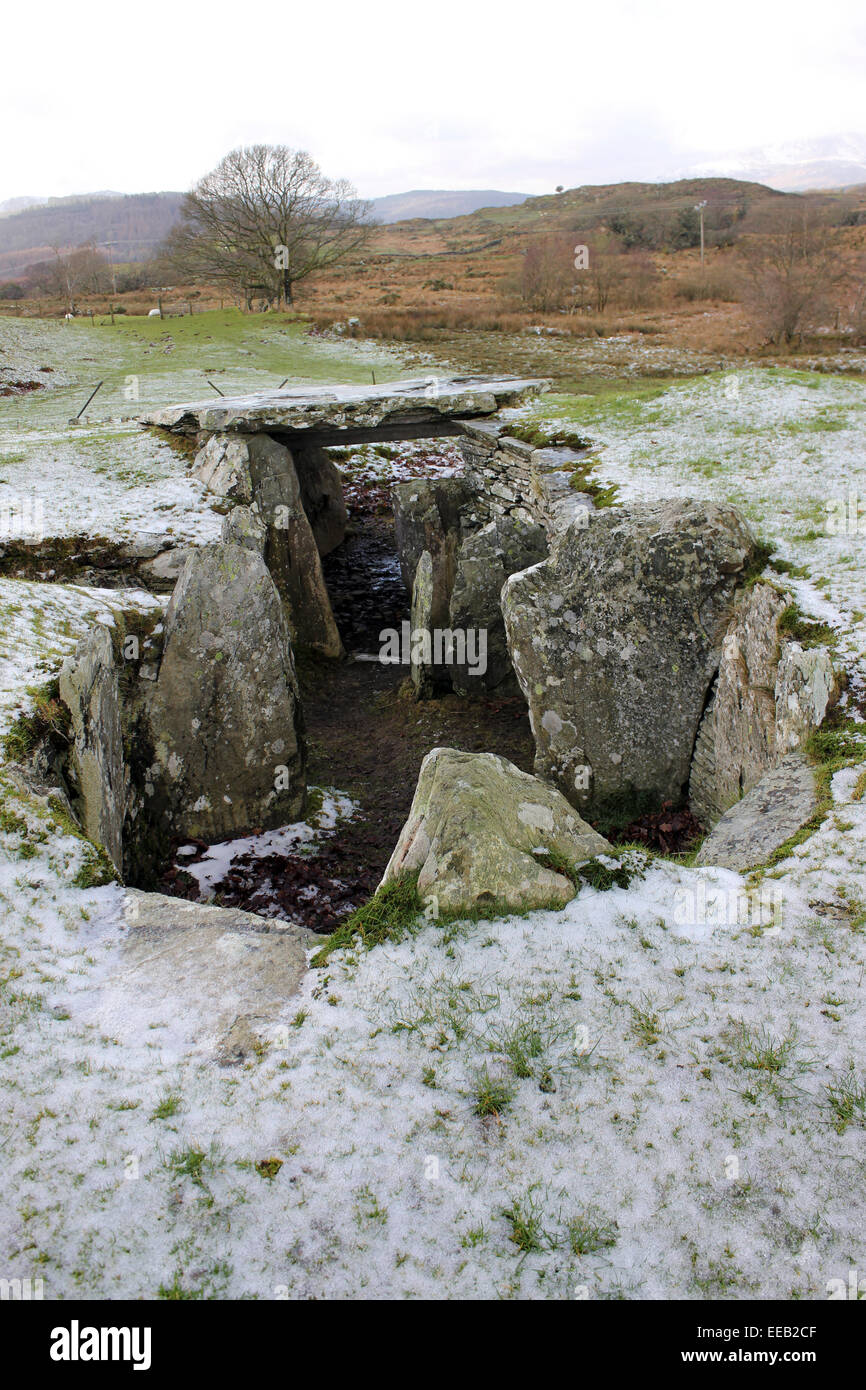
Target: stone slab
(341, 413)
(774, 810)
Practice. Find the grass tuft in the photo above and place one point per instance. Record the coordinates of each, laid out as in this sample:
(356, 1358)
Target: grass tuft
(389, 914)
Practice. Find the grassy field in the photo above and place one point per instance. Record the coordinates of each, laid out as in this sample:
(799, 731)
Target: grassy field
(171, 360)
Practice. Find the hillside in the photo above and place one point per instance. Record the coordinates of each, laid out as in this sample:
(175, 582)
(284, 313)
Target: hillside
(135, 224)
(438, 203)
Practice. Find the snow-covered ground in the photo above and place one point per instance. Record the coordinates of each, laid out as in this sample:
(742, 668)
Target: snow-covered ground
(787, 448)
(667, 1099)
(215, 864)
(673, 1081)
(105, 476)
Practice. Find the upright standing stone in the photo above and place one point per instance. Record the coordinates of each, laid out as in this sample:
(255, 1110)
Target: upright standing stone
(89, 687)
(225, 717)
(322, 496)
(615, 640)
(484, 561)
(771, 693)
(291, 553)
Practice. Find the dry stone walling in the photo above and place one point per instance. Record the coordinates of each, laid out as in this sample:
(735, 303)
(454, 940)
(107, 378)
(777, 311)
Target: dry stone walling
(649, 667)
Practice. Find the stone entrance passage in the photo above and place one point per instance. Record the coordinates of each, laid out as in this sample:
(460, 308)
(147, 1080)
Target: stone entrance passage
(267, 452)
(630, 632)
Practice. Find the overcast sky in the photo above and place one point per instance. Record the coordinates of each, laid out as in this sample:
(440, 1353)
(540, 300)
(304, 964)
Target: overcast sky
(395, 95)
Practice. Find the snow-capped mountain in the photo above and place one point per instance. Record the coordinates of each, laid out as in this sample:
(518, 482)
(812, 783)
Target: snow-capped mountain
(831, 161)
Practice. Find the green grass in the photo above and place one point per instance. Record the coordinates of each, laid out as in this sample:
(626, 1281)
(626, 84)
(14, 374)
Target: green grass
(598, 399)
(269, 1167)
(524, 1216)
(847, 1101)
(601, 877)
(806, 631)
(492, 1094)
(390, 913)
(546, 436)
(590, 1231)
(48, 718)
(759, 1049)
(167, 1106)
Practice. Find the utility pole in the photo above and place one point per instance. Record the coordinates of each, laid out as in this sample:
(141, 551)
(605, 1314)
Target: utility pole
(108, 245)
(699, 207)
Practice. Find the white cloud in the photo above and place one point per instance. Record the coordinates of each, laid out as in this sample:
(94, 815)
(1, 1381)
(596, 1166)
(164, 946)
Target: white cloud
(396, 96)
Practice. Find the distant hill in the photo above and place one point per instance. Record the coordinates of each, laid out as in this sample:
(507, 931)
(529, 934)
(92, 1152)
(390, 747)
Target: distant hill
(19, 204)
(437, 203)
(135, 224)
(458, 221)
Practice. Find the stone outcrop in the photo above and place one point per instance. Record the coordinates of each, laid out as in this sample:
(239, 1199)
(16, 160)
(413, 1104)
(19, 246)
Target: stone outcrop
(96, 770)
(224, 714)
(616, 639)
(769, 696)
(484, 561)
(779, 805)
(477, 831)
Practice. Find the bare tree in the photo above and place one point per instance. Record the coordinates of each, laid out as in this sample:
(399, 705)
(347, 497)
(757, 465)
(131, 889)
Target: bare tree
(72, 273)
(547, 274)
(265, 218)
(793, 276)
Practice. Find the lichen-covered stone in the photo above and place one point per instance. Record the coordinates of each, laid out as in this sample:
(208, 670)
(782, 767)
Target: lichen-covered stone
(224, 715)
(769, 696)
(615, 640)
(483, 563)
(89, 687)
(475, 830)
(807, 686)
(779, 805)
(333, 413)
(244, 526)
(223, 465)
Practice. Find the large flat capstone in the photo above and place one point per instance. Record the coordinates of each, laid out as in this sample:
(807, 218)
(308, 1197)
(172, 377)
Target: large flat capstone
(334, 414)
